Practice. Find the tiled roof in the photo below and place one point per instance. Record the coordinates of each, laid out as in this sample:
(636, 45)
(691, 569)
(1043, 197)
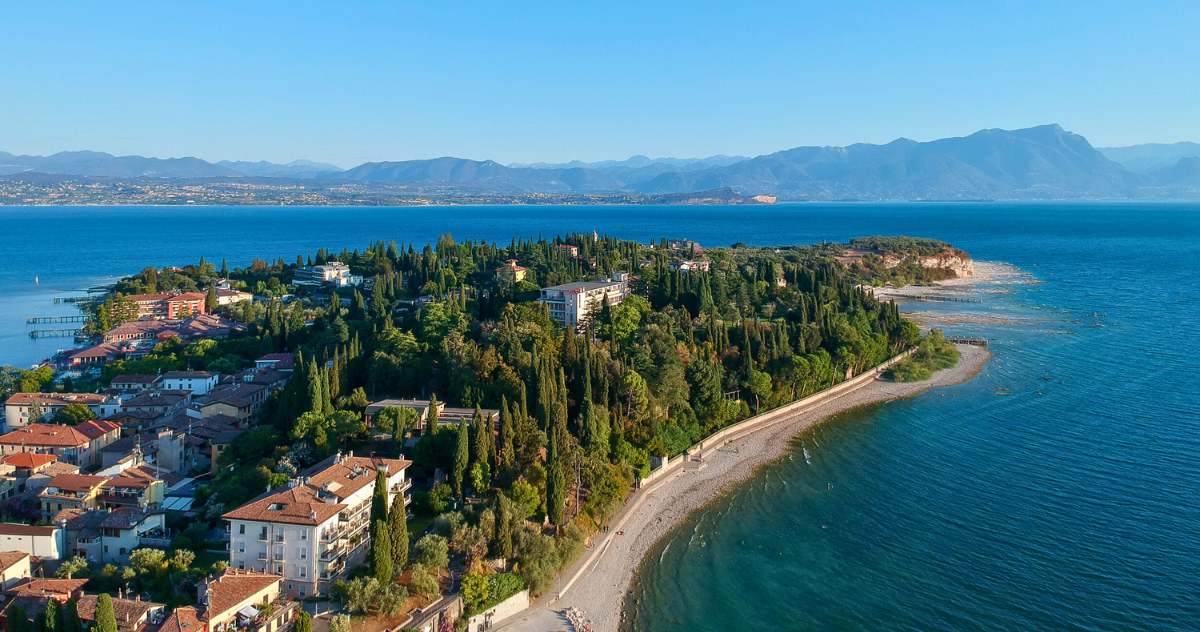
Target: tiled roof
(183, 619)
(124, 518)
(52, 435)
(26, 399)
(96, 428)
(317, 495)
(232, 588)
(28, 460)
(75, 482)
(38, 587)
(9, 558)
(12, 528)
(128, 611)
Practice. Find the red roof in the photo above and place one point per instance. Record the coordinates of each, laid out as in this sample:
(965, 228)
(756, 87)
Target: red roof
(28, 460)
(75, 482)
(96, 428)
(49, 435)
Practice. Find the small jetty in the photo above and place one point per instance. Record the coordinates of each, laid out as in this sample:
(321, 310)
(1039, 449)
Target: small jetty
(942, 298)
(75, 299)
(974, 342)
(54, 333)
(51, 320)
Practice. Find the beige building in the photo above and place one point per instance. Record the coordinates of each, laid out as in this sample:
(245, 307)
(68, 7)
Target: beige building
(14, 566)
(316, 529)
(246, 601)
(21, 408)
(78, 445)
(575, 304)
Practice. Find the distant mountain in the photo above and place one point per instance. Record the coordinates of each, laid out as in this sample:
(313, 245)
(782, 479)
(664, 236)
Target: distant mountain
(640, 162)
(483, 175)
(99, 164)
(1151, 156)
(1043, 162)
(293, 169)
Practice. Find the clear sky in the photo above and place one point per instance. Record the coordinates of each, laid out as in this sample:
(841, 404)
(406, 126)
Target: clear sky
(351, 82)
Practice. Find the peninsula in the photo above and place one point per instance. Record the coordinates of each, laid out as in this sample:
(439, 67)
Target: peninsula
(452, 429)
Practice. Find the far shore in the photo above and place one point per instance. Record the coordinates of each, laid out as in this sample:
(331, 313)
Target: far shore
(598, 583)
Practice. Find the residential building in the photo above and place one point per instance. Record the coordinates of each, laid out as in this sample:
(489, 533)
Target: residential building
(231, 297)
(133, 615)
(14, 567)
(575, 304)
(245, 601)
(316, 529)
(134, 382)
(47, 543)
(183, 619)
(21, 408)
(691, 265)
(78, 445)
(446, 415)
(239, 400)
(333, 273)
(134, 489)
(169, 305)
(108, 537)
(70, 491)
(512, 272)
(158, 401)
(196, 382)
(95, 356)
(277, 361)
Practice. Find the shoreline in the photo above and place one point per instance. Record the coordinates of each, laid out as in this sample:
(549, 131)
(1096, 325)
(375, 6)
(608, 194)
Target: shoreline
(599, 583)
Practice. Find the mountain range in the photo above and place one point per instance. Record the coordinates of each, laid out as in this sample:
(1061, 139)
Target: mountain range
(1044, 162)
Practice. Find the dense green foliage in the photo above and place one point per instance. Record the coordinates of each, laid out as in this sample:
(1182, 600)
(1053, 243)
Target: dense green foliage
(894, 260)
(933, 354)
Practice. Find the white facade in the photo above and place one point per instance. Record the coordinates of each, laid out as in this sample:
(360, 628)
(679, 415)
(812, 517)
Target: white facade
(198, 382)
(47, 543)
(20, 406)
(573, 304)
(310, 551)
(334, 273)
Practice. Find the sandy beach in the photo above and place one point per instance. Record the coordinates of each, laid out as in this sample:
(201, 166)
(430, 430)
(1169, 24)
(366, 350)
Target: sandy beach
(597, 584)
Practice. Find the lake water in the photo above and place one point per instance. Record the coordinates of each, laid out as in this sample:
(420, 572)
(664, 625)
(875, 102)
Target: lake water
(1060, 490)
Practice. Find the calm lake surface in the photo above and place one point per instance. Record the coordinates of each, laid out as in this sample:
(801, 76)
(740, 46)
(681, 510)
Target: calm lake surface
(1060, 490)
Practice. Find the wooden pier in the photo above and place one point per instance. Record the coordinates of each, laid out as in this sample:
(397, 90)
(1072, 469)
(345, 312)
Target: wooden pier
(50, 320)
(54, 333)
(75, 299)
(974, 342)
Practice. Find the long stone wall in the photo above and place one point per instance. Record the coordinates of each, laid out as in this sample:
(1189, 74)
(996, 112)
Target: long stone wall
(774, 415)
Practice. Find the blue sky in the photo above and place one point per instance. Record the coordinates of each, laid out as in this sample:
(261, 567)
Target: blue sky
(352, 82)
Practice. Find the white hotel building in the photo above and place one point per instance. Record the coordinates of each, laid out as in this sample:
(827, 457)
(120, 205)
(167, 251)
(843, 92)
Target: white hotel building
(316, 529)
(573, 304)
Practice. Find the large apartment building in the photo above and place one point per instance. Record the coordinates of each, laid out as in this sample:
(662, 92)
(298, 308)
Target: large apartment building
(317, 528)
(22, 409)
(574, 304)
(169, 305)
(333, 273)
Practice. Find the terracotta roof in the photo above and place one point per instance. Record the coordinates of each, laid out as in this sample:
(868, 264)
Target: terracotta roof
(238, 394)
(59, 467)
(12, 528)
(38, 587)
(28, 460)
(317, 495)
(96, 428)
(124, 518)
(185, 375)
(9, 558)
(128, 611)
(183, 619)
(25, 399)
(52, 435)
(75, 482)
(232, 588)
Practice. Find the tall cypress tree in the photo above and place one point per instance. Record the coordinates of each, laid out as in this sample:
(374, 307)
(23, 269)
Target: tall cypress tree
(555, 481)
(398, 529)
(106, 618)
(379, 498)
(462, 456)
(49, 621)
(381, 552)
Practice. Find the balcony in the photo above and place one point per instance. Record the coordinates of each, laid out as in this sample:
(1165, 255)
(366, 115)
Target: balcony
(402, 487)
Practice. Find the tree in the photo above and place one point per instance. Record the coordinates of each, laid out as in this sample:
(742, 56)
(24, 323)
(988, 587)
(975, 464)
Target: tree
(182, 560)
(16, 619)
(49, 621)
(432, 551)
(526, 500)
(210, 300)
(340, 623)
(381, 552)
(74, 566)
(106, 619)
(379, 500)
(422, 582)
(438, 498)
(147, 561)
(70, 617)
(462, 455)
(73, 414)
(398, 529)
(303, 622)
(474, 592)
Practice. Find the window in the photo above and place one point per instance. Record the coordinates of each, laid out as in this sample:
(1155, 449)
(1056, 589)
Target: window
(304, 534)
(303, 574)
(303, 553)
(241, 566)
(242, 529)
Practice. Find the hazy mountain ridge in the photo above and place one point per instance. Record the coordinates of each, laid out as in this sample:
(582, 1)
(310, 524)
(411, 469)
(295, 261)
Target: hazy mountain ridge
(1150, 157)
(1044, 162)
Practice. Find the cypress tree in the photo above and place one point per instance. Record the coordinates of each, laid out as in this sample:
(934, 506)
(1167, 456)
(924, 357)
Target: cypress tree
(462, 455)
(479, 438)
(16, 619)
(555, 483)
(106, 618)
(379, 499)
(303, 622)
(381, 552)
(49, 621)
(398, 529)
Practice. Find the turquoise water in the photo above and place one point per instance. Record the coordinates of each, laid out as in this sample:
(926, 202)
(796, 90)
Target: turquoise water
(1060, 490)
